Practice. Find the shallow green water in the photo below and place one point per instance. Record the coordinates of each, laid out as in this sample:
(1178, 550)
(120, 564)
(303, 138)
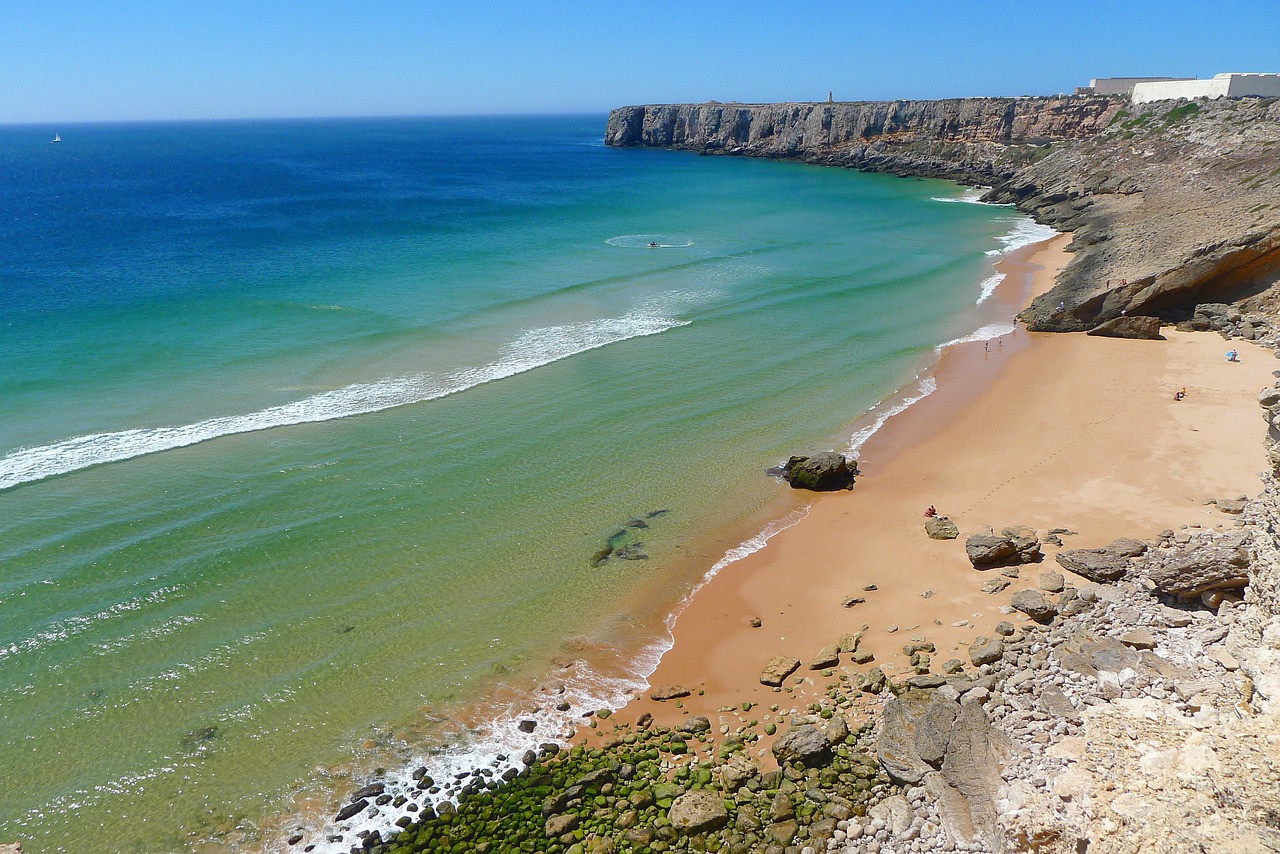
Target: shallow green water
(391, 385)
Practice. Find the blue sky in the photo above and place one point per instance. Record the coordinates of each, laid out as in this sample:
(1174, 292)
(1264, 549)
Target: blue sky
(92, 60)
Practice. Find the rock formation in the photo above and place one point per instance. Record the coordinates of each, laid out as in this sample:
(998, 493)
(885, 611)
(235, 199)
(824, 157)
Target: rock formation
(1170, 206)
(823, 472)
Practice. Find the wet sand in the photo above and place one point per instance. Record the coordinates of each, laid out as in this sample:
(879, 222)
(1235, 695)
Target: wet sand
(1043, 430)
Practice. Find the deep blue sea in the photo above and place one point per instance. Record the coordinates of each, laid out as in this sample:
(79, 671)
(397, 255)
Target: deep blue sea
(310, 430)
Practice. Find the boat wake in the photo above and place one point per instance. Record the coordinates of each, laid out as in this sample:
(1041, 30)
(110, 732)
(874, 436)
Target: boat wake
(533, 348)
(649, 241)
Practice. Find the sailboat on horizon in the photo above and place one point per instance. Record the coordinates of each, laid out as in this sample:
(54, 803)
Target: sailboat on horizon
(56, 138)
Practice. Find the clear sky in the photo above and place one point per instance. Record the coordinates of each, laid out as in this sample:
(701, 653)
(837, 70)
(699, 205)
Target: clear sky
(91, 60)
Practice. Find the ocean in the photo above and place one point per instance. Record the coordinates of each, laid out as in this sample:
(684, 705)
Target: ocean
(312, 434)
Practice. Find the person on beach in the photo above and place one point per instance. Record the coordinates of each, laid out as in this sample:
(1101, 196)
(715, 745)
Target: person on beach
(1179, 395)
(1233, 356)
(931, 512)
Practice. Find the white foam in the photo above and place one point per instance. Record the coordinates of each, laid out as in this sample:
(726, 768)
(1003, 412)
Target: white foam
(927, 386)
(531, 349)
(985, 333)
(988, 287)
(1025, 231)
(970, 196)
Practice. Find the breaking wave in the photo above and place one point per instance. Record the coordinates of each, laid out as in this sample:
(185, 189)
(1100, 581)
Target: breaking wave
(533, 348)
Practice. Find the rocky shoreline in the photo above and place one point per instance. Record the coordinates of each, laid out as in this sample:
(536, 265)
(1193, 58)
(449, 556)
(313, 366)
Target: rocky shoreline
(1129, 702)
(1170, 205)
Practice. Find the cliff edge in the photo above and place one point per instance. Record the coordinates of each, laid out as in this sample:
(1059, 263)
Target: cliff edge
(1176, 205)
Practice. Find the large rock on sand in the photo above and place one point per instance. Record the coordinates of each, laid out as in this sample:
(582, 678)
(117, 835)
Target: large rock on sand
(822, 472)
(1035, 605)
(1012, 546)
(778, 669)
(941, 528)
(1147, 328)
(1105, 564)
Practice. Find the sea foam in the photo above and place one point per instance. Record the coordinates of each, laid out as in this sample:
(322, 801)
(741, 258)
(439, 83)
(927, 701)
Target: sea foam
(1025, 232)
(533, 348)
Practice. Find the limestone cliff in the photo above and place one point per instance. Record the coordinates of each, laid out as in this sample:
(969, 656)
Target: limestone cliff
(975, 140)
(1171, 207)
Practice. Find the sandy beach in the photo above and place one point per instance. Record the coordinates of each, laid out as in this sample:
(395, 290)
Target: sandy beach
(1042, 430)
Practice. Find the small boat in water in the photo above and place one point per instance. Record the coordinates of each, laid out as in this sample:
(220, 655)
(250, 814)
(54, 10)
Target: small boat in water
(56, 138)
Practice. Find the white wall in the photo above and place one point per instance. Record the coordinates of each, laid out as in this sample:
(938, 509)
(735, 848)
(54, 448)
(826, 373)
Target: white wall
(1221, 86)
(1122, 85)
(1263, 85)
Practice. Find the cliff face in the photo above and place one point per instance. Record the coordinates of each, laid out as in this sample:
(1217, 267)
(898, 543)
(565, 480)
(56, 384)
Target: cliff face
(1181, 204)
(967, 139)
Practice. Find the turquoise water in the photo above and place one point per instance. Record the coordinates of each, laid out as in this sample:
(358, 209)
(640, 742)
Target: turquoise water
(310, 430)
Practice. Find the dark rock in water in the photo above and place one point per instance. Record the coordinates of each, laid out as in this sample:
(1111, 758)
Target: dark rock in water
(601, 555)
(637, 523)
(527, 725)
(1147, 328)
(805, 743)
(653, 513)
(351, 809)
(199, 737)
(631, 553)
(941, 528)
(370, 791)
(822, 472)
(342, 630)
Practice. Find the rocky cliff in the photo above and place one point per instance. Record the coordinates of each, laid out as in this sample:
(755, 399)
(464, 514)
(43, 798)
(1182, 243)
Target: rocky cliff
(1170, 207)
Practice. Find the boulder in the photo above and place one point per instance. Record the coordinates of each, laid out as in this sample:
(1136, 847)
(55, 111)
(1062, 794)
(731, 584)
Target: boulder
(986, 650)
(805, 743)
(914, 734)
(1203, 569)
(668, 692)
(1013, 546)
(941, 528)
(1034, 604)
(1105, 564)
(1147, 328)
(987, 550)
(1025, 542)
(695, 725)
(976, 752)
(351, 809)
(822, 472)
(559, 825)
(737, 773)
(828, 656)
(697, 812)
(1052, 582)
(778, 669)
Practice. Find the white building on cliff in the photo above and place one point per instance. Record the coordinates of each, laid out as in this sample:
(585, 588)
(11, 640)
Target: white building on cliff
(1120, 85)
(1220, 86)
